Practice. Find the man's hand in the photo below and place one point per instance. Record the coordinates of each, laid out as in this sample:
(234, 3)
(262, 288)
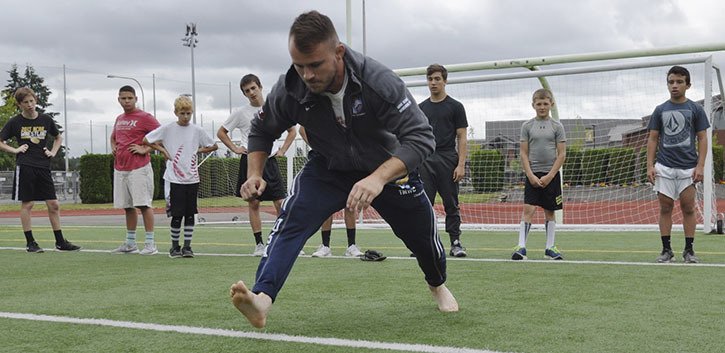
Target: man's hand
(48, 153)
(252, 188)
(458, 173)
(239, 150)
(545, 180)
(698, 174)
(279, 153)
(535, 181)
(139, 149)
(364, 192)
(652, 174)
(21, 149)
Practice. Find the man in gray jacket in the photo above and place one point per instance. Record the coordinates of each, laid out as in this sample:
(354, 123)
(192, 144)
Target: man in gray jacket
(368, 138)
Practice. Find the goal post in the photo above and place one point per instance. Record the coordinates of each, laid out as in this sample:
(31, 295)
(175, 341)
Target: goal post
(605, 185)
(603, 108)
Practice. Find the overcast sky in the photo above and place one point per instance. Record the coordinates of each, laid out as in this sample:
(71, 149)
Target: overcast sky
(143, 38)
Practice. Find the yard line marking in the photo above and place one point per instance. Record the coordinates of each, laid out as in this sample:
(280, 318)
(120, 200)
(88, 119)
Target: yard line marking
(336, 342)
(406, 258)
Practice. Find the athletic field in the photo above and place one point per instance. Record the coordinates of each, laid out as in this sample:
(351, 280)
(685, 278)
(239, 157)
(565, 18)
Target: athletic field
(608, 296)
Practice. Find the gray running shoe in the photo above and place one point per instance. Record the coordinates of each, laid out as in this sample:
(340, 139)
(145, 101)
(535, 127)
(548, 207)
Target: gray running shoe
(689, 257)
(666, 256)
(458, 251)
(125, 248)
(149, 249)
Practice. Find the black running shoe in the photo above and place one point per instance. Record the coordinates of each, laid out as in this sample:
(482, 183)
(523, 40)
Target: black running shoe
(186, 252)
(66, 246)
(33, 247)
(175, 252)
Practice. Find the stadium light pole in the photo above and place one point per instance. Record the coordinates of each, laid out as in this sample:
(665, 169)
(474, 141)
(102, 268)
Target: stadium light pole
(143, 97)
(153, 87)
(190, 41)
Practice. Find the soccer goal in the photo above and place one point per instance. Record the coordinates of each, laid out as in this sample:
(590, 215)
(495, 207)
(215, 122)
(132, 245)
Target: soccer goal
(604, 110)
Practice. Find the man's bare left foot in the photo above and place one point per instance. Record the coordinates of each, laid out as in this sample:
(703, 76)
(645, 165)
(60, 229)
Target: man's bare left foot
(253, 306)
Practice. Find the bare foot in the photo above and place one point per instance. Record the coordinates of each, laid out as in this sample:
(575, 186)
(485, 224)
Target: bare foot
(443, 297)
(253, 306)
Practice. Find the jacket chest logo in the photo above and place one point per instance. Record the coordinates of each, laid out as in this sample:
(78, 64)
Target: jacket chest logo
(358, 108)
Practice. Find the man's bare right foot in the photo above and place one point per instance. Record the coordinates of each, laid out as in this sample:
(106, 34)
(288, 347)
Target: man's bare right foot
(444, 298)
(253, 306)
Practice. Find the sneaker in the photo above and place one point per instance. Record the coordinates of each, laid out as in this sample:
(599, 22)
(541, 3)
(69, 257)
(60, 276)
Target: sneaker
(553, 253)
(125, 248)
(519, 253)
(302, 253)
(353, 251)
(149, 249)
(258, 250)
(33, 247)
(322, 251)
(187, 252)
(689, 257)
(66, 246)
(666, 256)
(458, 251)
(175, 252)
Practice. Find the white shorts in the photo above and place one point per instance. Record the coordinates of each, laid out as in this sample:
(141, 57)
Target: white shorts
(133, 188)
(671, 182)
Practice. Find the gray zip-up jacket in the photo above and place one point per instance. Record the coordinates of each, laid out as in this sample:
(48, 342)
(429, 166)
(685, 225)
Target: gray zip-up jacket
(381, 115)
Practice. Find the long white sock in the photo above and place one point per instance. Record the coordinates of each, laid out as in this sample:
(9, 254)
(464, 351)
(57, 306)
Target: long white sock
(130, 237)
(550, 233)
(524, 233)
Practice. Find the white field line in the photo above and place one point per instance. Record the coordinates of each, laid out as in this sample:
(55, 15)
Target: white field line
(336, 342)
(552, 262)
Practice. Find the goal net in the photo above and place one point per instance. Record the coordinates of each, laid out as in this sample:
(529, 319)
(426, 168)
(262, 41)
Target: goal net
(604, 110)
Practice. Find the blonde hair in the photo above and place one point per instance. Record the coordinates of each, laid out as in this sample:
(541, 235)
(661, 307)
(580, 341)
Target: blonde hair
(183, 103)
(543, 93)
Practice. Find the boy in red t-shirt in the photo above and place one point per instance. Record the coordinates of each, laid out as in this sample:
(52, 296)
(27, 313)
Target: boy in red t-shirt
(133, 178)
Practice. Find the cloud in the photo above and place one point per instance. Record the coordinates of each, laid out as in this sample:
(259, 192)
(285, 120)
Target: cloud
(142, 39)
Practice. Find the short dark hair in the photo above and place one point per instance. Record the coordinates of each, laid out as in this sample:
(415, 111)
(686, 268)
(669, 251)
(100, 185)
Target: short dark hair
(679, 70)
(247, 79)
(310, 29)
(127, 88)
(433, 68)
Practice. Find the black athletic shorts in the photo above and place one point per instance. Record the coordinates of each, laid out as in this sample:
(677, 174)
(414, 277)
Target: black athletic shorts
(182, 200)
(33, 184)
(275, 189)
(548, 198)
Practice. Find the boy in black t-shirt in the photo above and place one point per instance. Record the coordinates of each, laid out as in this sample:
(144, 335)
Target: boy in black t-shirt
(32, 172)
(442, 171)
